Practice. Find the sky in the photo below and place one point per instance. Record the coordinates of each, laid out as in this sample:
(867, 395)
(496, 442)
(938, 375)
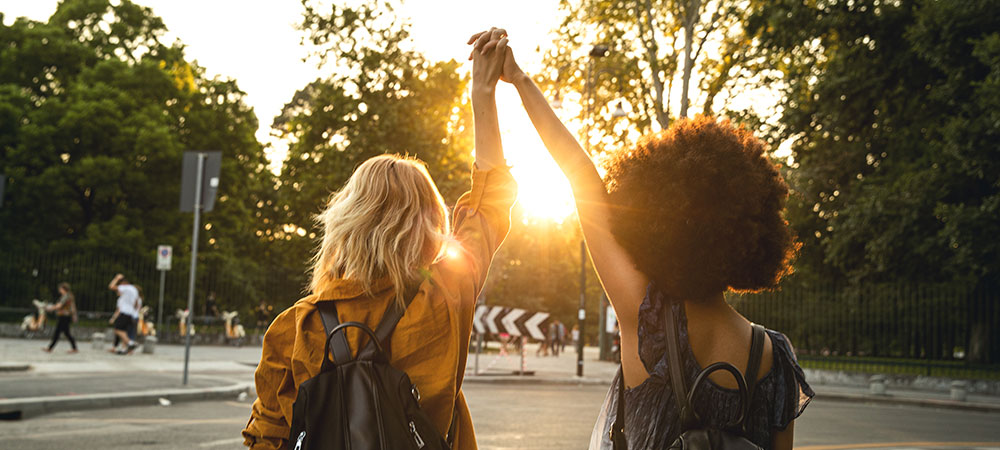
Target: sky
(255, 42)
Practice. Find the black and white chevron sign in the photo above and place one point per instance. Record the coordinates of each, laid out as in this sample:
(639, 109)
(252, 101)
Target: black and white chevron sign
(514, 321)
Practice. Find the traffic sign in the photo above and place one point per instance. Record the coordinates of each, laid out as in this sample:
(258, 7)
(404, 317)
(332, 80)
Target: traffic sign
(164, 255)
(513, 321)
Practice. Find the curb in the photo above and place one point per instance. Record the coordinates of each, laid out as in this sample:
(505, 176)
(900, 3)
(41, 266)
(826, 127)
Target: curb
(22, 408)
(14, 367)
(927, 403)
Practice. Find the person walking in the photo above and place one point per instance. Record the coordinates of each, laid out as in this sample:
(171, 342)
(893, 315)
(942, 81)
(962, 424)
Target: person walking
(133, 331)
(65, 311)
(387, 232)
(122, 319)
(683, 217)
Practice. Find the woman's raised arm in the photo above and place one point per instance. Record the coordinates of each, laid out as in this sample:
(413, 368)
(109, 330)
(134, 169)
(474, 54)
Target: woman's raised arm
(623, 283)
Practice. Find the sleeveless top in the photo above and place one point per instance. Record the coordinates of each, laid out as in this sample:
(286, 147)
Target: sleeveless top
(651, 410)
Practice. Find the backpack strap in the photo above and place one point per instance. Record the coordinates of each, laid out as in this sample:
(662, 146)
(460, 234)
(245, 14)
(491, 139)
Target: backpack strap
(677, 383)
(341, 349)
(389, 320)
(753, 366)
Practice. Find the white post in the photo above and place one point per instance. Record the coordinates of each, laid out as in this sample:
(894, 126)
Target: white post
(194, 261)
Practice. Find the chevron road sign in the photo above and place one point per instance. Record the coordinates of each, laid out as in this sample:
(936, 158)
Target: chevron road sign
(514, 321)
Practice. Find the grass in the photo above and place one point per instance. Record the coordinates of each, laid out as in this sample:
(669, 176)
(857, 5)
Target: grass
(902, 366)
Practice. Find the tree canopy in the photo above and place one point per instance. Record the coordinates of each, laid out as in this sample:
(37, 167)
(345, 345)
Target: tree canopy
(95, 112)
(891, 109)
(380, 97)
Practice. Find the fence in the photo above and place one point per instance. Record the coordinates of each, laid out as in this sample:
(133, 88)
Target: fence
(24, 277)
(933, 329)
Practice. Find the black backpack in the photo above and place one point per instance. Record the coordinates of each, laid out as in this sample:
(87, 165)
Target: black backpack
(692, 434)
(361, 403)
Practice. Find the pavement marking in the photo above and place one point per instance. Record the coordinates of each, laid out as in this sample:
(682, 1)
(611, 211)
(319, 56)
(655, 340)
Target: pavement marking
(992, 445)
(240, 405)
(222, 442)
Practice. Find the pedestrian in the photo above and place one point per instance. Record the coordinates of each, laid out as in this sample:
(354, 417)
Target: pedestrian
(133, 331)
(554, 338)
(211, 307)
(263, 313)
(560, 338)
(543, 347)
(386, 231)
(65, 310)
(686, 215)
(122, 319)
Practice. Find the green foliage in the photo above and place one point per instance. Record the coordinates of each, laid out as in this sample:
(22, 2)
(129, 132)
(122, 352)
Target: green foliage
(893, 112)
(380, 98)
(645, 63)
(96, 112)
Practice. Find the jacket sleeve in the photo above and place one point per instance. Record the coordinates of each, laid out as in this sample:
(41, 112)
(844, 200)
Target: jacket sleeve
(268, 427)
(482, 220)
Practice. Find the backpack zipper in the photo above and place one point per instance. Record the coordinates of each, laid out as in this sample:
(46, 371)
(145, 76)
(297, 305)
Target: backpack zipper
(298, 443)
(416, 436)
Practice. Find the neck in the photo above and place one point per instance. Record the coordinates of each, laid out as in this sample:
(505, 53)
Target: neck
(713, 308)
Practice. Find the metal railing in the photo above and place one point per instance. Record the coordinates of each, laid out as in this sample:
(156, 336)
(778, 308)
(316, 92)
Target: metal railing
(933, 329)
(24, 277)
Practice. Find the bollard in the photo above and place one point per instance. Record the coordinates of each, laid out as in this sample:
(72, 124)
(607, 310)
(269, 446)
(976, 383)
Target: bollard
(959, 390)
(877, 384)
(97, 341)
(149, 344)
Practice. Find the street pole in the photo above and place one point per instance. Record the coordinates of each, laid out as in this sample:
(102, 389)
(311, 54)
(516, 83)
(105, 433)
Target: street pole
(582, 314)
(194, 262)
(602, 335)
(159, 311)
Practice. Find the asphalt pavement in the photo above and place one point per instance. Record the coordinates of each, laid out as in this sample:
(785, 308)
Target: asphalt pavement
(506, 416)
(546, 407)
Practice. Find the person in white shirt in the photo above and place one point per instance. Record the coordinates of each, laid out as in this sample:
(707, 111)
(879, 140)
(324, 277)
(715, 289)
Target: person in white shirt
(125, 313)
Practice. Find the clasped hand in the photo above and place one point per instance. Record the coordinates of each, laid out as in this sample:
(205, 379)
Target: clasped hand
(492, 59)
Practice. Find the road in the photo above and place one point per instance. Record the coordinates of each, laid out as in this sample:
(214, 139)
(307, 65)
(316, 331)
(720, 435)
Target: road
(507, 416)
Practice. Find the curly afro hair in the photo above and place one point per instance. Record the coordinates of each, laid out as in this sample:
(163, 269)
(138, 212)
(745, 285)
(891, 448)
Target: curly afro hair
(699, 209)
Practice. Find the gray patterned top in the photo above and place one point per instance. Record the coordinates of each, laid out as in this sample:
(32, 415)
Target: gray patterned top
(780, 396)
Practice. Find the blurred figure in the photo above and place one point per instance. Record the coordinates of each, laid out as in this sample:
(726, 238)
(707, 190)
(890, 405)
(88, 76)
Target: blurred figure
(137, 307)
(65, 310)
(575, 335)
(263, 312)
(35, 321)
(124, 314)
(211, 307)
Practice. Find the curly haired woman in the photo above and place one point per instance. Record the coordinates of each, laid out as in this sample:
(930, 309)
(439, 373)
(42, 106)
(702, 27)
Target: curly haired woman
(686, 215)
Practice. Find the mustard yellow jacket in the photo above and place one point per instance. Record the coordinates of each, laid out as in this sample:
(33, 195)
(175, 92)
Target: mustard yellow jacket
(431, 341)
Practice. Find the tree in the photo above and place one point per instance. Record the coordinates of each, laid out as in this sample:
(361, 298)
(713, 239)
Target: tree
(892, 111)
(381, 97)
(96, 113)
(649, 41)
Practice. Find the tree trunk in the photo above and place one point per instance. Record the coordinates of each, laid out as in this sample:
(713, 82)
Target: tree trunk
(690, 18)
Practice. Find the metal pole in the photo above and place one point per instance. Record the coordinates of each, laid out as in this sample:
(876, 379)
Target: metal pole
(583, 312)
(602, 335)
(524, 354)
(479, 349)
(194, 262)
(159, 311)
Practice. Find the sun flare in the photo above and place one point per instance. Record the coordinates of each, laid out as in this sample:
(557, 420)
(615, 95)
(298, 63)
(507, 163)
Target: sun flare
(543, 191)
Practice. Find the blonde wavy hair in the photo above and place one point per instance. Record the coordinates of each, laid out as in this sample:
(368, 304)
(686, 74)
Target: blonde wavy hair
(389, 220)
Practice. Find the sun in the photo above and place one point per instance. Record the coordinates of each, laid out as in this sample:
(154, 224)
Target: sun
(543, 191)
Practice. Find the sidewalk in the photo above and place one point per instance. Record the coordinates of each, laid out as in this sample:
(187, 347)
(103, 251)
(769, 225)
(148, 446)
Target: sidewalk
(34, 382)
(42, 382)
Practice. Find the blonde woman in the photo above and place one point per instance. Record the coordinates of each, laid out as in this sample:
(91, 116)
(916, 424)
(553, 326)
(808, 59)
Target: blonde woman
(385, 231)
